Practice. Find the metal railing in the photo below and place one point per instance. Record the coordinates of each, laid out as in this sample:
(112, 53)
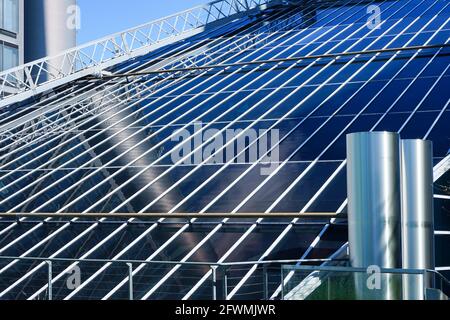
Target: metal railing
(26, 80)
(347, 283)
(58, 275)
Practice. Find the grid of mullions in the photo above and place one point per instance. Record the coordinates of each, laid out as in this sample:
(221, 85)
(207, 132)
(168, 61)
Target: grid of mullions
(117, 158)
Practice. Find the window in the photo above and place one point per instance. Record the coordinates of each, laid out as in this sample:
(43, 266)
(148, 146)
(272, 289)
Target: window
(9, 15)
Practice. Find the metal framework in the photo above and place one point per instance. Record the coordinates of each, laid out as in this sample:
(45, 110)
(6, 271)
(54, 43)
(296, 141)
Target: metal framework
(175, 215)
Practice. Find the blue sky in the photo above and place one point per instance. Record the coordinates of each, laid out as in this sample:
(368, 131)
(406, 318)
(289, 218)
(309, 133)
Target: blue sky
(103, 17)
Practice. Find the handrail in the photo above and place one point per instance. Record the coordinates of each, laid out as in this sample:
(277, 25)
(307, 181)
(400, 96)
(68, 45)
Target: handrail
(26, 80)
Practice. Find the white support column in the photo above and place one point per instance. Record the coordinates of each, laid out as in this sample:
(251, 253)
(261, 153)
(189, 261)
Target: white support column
(417, 215)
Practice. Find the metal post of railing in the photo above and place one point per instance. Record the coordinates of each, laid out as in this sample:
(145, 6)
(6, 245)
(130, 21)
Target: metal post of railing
(130, 281)
(225, 283)
(214, 282)
(50, 276)
(266, 283)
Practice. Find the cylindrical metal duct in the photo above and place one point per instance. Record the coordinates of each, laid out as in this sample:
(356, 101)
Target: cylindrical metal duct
(374, 212)
(417, 215)
(50, 28)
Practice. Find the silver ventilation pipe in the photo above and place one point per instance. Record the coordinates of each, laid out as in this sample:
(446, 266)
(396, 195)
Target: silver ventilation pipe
(374, 209)
(417, 216)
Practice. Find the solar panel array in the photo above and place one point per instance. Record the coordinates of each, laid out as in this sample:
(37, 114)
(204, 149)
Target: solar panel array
(305, 75)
